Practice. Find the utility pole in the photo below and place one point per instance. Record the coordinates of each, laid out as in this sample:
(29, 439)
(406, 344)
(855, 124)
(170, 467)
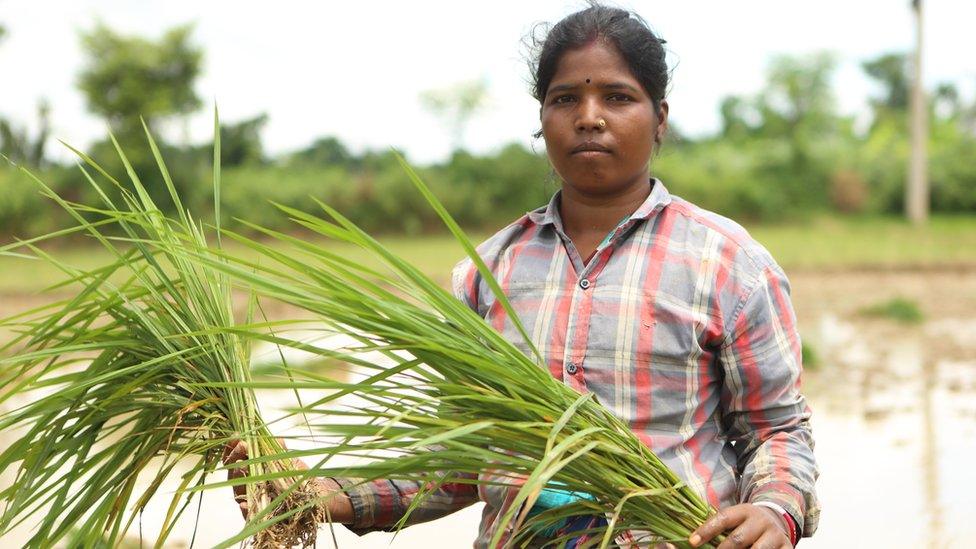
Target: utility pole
(917, 191)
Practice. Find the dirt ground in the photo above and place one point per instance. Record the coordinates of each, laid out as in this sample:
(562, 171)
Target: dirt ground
(945, 292)
(946, 298)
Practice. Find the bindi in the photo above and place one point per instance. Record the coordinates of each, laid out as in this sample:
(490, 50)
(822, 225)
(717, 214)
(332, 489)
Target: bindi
(587, 80)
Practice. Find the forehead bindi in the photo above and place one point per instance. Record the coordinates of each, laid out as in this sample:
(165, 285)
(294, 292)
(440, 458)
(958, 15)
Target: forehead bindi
(597, 63)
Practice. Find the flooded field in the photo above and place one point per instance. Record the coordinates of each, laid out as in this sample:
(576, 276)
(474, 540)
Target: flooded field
(894, 408)
(894, 418)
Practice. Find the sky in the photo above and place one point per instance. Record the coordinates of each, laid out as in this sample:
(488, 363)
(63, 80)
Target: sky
(356, 70)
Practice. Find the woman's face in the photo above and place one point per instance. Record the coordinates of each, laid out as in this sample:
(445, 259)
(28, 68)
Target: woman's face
(591, 84)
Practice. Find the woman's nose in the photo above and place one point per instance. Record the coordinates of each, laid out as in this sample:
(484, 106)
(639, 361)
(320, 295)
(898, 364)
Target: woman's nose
(590, 117)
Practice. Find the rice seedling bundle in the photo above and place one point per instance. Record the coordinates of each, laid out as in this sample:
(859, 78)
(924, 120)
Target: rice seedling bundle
(105, 387)
(452, 401)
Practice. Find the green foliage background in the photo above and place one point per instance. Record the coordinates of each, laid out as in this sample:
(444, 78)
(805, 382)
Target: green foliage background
(783, 154)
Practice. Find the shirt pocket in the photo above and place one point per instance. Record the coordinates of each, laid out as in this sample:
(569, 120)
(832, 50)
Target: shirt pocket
(533, 302)
(651, 364)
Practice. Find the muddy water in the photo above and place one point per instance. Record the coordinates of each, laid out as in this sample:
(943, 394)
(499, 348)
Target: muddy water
(895, 426)
(894, 419)
(894, 408)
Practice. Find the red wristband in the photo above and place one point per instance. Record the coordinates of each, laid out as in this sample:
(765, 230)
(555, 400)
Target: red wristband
(792, 528)
(791, 524)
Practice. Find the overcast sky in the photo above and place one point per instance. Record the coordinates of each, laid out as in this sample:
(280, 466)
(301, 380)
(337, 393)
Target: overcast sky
(355, 69)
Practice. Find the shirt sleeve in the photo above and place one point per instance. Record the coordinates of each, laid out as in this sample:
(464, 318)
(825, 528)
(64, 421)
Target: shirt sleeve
(764, 414)
(465, 281)
(378, 505)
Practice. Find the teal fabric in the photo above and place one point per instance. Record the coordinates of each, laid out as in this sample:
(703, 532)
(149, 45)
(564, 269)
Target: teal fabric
(551, 498)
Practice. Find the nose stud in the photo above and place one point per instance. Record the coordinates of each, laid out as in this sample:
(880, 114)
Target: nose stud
(602, 123)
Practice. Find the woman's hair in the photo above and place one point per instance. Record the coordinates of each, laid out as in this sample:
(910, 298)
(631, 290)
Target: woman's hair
(642, 50)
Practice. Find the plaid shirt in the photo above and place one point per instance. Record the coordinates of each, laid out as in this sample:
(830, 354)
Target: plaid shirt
(680, 323)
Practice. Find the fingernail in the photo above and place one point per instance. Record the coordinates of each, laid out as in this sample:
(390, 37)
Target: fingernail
(695, 539)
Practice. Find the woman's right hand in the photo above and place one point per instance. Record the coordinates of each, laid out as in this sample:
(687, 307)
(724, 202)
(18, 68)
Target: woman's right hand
(340, 508)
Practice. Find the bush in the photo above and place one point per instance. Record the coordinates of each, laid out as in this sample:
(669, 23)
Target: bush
(723, 177)
(848, 192)
(24, 211)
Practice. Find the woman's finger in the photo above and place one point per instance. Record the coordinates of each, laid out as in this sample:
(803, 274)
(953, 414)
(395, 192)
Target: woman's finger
(743, 536)
(297, 464)
(772, 540)
(228, 448)
(722, 521)
(237, 453)
(232, 474)
(234, 451)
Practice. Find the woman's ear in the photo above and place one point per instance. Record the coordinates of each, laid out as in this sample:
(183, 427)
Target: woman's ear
(538, 133)
(662, 122)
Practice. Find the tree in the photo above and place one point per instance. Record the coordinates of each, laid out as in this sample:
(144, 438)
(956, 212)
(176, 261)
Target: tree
(457, 105)
(734, 111)
(792, 130)
(946, 101)
(326, 151)
(16, 144)
(891, 72)
(797, 108)
(240, 143)
(131, 77)
(14, 141)
(798, 96)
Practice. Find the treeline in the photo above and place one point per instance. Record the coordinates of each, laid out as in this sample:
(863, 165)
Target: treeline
(782, 154)
(371, 189)
(787, 152)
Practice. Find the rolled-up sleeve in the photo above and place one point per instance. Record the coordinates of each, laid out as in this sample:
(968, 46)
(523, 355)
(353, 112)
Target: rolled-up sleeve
(378, 505)
(764, 414)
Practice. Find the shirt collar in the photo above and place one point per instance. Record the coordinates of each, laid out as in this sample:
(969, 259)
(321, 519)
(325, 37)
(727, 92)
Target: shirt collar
(655, 202)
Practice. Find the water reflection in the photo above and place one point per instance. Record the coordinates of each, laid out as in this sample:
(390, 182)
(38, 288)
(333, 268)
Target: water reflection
(895, 433)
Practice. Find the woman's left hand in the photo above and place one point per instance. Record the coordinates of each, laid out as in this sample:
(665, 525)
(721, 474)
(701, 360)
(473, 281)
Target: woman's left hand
(747, 525)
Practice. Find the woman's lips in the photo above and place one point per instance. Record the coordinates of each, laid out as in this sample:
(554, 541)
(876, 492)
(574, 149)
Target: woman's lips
(590, 155)
(590, 149)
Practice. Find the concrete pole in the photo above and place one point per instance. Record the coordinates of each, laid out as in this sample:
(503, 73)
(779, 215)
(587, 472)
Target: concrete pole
(917, 191)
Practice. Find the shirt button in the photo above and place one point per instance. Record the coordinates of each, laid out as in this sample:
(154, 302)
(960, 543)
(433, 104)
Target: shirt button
(584, 283)
(571, 368)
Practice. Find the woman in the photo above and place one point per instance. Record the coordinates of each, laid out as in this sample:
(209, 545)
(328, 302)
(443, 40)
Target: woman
(673, 316)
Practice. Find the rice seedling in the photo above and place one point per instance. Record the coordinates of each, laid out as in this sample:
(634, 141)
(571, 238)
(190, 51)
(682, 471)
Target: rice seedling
(107, 387)
(899, 309)
(454, 400)
(451, 400)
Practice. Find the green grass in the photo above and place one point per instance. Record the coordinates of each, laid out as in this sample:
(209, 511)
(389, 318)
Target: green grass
(828, 243)
(898, 309)
(874, 242)
(811, 360)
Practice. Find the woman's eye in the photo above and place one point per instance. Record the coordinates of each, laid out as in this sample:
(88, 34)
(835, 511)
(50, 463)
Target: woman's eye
(563, 99)
(619, 97)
